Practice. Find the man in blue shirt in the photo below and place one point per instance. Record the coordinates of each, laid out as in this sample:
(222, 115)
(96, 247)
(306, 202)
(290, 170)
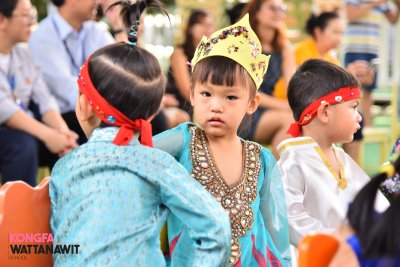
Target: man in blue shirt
(61, 43)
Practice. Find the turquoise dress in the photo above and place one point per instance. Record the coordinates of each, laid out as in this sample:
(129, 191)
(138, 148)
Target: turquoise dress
(113, 200)
(256, 205)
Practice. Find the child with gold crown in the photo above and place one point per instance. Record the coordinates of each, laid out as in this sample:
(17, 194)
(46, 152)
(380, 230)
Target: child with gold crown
(227, 70)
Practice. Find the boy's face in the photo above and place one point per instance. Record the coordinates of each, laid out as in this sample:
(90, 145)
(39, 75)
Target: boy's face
(345, 121)
(220, 109)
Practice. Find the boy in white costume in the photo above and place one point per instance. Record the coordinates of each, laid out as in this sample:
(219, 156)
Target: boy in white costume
(320, 179)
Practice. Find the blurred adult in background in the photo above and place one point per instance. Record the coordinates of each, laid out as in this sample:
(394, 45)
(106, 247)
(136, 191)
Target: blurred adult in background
(273, 117)
(235, 12)
(20, 83)
(112, 19)
(200, 23)
(326, 31)
(60, 44)
(363, 37)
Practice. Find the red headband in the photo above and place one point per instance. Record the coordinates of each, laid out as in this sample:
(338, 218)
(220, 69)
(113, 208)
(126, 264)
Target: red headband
(111, 115)
(342, 95)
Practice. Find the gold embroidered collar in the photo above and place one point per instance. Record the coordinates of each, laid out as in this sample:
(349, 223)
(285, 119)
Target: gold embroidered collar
(341, 178)
(236, 199)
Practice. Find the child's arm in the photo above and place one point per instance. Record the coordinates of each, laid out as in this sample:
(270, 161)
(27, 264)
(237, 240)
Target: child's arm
(170, 141)
(205, 220)
(300, 222)
(272, 206)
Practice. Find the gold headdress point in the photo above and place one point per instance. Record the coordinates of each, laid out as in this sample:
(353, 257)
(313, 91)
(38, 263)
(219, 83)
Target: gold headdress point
(239, 43)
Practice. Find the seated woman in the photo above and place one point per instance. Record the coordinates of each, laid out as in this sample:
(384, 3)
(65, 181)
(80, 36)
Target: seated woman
(273, 117)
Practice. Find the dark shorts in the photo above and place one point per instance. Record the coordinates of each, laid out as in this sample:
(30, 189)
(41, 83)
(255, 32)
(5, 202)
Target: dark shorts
(351, 57)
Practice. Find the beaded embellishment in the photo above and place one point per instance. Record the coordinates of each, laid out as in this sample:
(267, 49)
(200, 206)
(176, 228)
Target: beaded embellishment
(239, 43)
(237, 199)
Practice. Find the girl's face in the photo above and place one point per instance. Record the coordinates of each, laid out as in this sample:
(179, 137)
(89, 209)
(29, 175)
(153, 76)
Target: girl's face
(205, 27)
(331, 37)
(271, 14)
(18, 26)
(220, 109)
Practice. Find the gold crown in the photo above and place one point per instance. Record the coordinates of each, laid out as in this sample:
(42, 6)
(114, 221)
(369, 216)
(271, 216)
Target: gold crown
(239, 43)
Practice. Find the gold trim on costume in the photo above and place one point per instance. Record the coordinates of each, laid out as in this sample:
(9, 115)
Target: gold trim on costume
(236, 199)
(295, 143)
(342, 181)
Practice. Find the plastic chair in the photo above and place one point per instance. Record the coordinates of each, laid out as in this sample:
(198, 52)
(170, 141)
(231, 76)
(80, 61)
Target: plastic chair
(317, 250)
(24, 209)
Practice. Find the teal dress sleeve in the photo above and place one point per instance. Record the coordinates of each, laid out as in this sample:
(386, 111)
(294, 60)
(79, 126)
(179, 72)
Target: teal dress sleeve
(206, 222)
(273, 207)
(199, 232)
(170, 141)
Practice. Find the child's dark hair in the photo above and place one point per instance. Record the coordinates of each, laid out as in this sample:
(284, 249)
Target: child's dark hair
(378, 233)
(314, 79)
(7, 7)
(127, 76)
(320, 21)
(221, 70)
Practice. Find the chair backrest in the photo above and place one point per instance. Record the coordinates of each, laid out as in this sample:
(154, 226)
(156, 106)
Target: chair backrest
(317, 250)
(24, 211)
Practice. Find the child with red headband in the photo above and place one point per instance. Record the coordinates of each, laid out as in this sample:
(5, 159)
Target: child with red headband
(112, 195)
(320, 179)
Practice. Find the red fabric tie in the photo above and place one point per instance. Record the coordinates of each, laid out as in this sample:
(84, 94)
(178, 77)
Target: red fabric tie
(342, 95)
(112, 116)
